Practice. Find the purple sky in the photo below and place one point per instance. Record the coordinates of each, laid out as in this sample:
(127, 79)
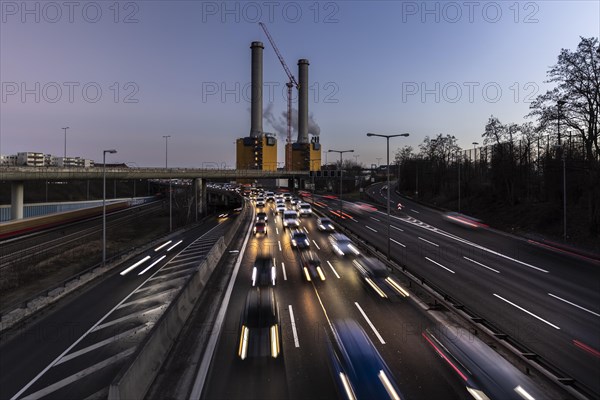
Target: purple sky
(179, 68)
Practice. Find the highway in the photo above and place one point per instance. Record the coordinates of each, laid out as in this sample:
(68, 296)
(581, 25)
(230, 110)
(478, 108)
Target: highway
(306, 310)
(549, 301)
(74, 350)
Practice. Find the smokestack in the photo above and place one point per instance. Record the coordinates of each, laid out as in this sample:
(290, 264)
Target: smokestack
(303, 101)
(256, 112)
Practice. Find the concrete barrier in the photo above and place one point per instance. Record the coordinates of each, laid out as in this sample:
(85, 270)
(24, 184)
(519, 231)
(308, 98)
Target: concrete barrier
(135, 378)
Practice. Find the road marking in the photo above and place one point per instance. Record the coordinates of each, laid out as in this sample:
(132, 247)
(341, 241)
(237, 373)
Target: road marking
(333, 269)
(397, 242)
(368, 227)
(528, 312)
(484, 266)
(175, 245)
(425, 240)
(79, 375)
(318, 248)
(283, 269)
(370, 323)
(296, 342)
(163, 245)
(137, 264)
(373, 218)
(133, 315)
(437, 263)
(279, 244)
(395, 227)
(415, 211)
(573, 304)
(277, 230)
(305, 230)
(152, 265)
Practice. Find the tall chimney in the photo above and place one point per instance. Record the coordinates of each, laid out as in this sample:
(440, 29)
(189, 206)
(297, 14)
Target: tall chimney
(256, 113)
(303, 101)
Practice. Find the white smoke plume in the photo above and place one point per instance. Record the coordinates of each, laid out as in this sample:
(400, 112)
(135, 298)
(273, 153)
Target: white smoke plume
(279, 122)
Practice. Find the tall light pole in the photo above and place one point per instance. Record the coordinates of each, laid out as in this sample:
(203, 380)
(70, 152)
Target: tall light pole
(458, 159)
(387, 137)
(564, 162)
(474, 151)
(65, 156)
(170, 195)
(112, 151)
(341, 152)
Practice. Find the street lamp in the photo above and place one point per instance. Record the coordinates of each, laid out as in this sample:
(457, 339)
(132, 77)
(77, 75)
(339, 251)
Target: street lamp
(387, 137)
(112, 151)
(65, 129)
(341, 172)
(170, 195)
(564, 162)
(474, 151)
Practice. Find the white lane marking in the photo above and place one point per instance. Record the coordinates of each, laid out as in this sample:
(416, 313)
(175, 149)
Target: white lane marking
(415, 211)
(397, 242)
(279, 244)
(150, 297)
(368, 227)
(296, 342)
(573, 304)
(175, 245)
(283, 269)
(333, 269)
(163, 245)
(78, 375)
(316, 244)
(370, 323)
(353, 219)
(277, 230)
(395, 227)
(528, 312)
(305, 230)
(137, 264)
(133, 315)
(152, 265)
(373, 218)
(484, 266)
(437, 263)
(425, 240)
(104, 342)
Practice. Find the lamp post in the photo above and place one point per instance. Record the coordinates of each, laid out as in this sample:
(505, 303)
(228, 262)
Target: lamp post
(112, 151)
(170, 195)
(341, 152)
(387, 137)
(65, 154)
(458, 160)
(564, 163)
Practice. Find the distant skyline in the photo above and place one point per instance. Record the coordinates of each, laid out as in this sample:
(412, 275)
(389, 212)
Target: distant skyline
(122, 75)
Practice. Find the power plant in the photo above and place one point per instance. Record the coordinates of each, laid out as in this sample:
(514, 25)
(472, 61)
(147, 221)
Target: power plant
(259, 149)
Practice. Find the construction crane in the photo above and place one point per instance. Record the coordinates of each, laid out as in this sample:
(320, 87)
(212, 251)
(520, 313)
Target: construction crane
(291, 83)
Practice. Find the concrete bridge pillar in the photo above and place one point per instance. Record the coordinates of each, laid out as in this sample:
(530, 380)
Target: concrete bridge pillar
(16, 200)
(200, 196)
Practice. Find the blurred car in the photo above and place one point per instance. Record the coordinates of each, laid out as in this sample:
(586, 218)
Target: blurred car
(290, 219)
(260, 335)
(294, 201)
(325, 225)
(260, 228)
(299, 239)
(359, 371)
(270, 196)
(311, 266)
(304, 209)
(280, 208)
(376, 275)
(261, 217)
(287, 197)
(260, 202)
(342, 244)
(484, 372)
(264, 272)
(464, 220)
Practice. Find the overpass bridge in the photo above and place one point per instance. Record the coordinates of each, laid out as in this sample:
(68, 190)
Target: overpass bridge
(18, 175)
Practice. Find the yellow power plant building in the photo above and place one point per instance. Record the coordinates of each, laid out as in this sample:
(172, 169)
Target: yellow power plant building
(257, 153)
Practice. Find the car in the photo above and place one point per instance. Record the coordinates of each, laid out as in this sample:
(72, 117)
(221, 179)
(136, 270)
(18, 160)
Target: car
(260, 335)
(342, 245)
(356, 366)
(279, 196)
(260, 202)
(325, 225)
(304, 209)
(294, 201)
(270, 197)
(299, 239)
(287, 197)
(377, 277)
(281, 208)
(290, 219)
(260, 227)
(311, 266)
(261, 217)
(264, 272)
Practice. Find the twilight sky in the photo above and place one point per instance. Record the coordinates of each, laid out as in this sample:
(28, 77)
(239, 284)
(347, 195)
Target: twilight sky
(123, 74)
